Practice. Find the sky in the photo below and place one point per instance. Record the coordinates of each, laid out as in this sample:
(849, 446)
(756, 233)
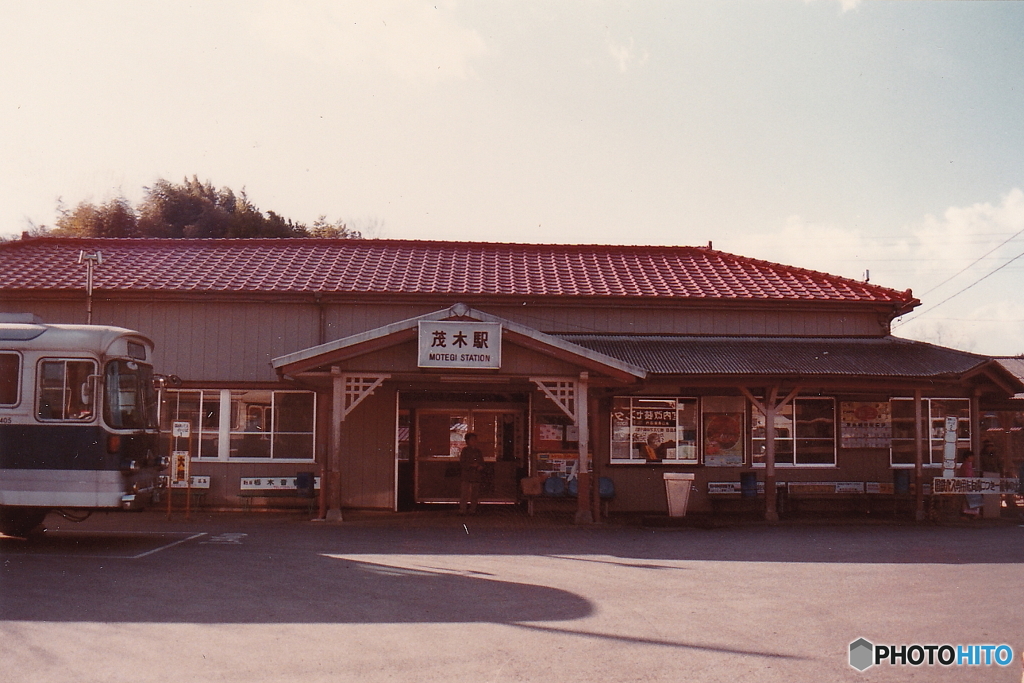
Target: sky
(872, 140)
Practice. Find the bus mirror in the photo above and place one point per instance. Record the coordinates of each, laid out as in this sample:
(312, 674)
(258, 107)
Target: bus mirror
(161, 381)
(89, 389)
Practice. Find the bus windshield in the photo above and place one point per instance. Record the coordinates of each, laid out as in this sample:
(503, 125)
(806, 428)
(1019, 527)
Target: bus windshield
(130, 398)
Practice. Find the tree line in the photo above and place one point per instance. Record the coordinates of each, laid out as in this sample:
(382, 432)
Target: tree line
(191, 209)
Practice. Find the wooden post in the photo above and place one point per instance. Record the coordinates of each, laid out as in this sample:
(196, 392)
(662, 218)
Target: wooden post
(770, 408)
(771, 510)
(334, 456)
(918, 458)
(595, 494)
(976, 430)
(583, 480)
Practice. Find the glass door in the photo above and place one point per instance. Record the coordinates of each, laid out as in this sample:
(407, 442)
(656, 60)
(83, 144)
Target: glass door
(440, 438)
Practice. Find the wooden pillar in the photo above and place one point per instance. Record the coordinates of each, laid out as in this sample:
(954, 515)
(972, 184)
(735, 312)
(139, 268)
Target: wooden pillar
(770, 408)
(595, 494)
(918, 457)
(976, 429)
(771, 510)
(583, 475)
(333, 482)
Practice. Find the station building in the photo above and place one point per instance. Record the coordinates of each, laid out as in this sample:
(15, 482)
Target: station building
(365, 362)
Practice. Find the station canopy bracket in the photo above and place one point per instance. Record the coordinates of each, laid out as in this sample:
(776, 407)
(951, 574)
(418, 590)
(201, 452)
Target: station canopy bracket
(562, 391)
(358, 387)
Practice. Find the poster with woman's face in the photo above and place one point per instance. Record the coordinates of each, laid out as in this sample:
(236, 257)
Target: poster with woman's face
(723, 439)
(654, 430)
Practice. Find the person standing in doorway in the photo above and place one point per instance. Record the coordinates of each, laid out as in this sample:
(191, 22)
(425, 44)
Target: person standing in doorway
(471, 462)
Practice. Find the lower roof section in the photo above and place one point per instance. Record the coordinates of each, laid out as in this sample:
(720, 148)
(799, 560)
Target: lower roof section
(881, 357)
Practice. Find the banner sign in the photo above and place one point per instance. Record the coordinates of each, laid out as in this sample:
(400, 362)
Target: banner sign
(198, 482)
(726, 487)
(960, 485)
(826, 487)
(273, 483)
(460, 345)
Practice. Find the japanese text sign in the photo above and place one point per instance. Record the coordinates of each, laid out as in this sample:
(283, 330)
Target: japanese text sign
(460, 344)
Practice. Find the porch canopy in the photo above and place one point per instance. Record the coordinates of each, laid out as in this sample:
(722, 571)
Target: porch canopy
(331, 364)
(771, 371)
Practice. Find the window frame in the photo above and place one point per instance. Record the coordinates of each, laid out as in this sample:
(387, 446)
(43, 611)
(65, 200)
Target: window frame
(636, 456)
(794, 438)
(226, 432)
(935, 441)
(66, 391)
(17, 378)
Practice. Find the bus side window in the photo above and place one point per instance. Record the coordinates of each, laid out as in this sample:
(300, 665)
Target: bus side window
(10, 378)
(64, 390)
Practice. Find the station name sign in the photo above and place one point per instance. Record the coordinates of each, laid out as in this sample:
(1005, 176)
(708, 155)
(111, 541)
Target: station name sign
(463, 345)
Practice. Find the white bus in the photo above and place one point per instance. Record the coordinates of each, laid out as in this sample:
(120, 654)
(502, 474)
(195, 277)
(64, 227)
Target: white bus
(78, 421)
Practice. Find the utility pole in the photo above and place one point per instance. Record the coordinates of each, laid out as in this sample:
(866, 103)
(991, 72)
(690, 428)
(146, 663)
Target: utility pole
(90, 261)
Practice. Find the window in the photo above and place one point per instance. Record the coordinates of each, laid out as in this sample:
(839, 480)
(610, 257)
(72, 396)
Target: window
(65, 390)
(10, 378)
(251, 424)
(934, 412)
(130, 397)
(807, 440)
(654, 430)
(245, 425)
(201, 409)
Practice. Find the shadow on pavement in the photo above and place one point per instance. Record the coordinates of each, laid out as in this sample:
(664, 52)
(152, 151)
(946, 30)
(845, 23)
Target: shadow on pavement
(260, 589)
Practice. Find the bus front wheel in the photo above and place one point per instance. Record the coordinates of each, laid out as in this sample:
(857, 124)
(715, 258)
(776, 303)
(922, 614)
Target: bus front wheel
(20, 521)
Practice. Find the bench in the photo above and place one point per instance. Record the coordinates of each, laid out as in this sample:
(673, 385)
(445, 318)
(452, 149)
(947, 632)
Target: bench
(729, 497)
(200, 486)
(251, 488)
(860, 496)
(556, 492)
(791, 497)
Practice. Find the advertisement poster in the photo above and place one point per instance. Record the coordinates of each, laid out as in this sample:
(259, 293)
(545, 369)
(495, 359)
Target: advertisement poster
(865, 424)
(179, 466)
(654, 430)
(723, 439)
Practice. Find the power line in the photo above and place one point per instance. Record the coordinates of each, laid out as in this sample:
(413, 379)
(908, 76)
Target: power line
(976, 261)
(979, 280)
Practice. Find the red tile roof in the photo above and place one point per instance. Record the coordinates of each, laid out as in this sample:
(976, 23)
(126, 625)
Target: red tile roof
(422, 267)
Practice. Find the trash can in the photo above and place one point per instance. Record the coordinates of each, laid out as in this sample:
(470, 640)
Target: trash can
(748, 484)
(677, 490)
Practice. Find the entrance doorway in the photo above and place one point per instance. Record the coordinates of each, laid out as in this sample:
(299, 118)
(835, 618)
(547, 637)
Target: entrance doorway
(440, 436)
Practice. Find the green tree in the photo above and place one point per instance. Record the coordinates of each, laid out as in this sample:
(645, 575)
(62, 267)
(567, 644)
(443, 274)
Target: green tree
(190, 209)
(116, 218)
(323, 228)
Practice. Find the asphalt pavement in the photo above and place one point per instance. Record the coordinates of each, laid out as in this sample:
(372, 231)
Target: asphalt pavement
(498, 597)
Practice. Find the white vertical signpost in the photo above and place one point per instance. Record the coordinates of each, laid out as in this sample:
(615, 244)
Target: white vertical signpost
(949, 449)
(180, 465)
